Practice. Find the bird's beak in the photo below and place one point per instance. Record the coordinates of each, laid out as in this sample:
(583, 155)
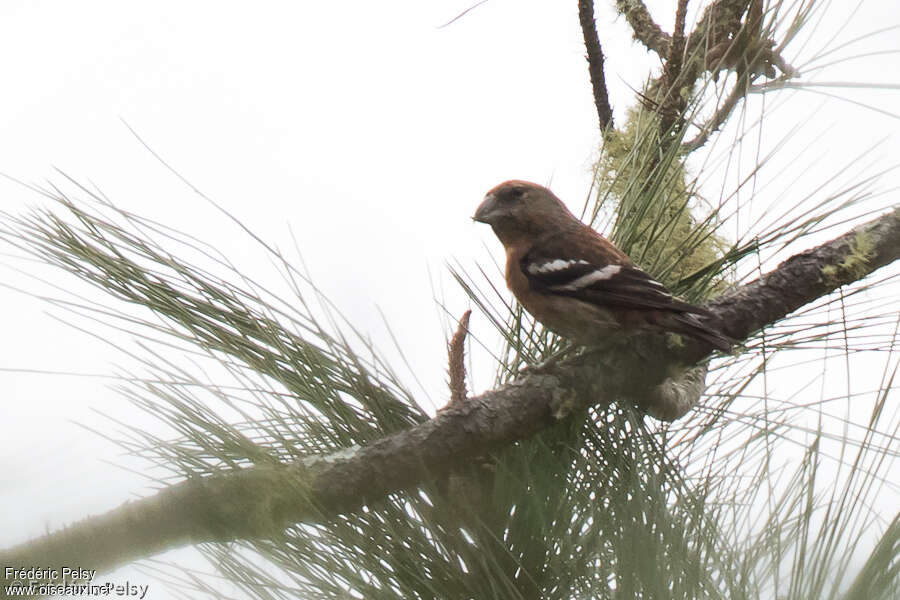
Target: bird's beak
(484, 212)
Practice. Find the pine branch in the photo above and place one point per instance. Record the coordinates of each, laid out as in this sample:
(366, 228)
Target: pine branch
(261, 501)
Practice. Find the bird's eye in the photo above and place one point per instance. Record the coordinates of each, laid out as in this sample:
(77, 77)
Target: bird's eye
(514, 194)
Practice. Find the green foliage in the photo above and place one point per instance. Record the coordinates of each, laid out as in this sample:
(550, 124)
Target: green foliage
(647, 186)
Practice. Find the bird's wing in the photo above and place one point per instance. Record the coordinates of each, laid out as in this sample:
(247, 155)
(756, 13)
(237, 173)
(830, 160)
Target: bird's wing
(586, 267)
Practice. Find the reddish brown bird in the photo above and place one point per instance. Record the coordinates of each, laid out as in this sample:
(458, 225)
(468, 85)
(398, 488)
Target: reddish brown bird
(573, 280)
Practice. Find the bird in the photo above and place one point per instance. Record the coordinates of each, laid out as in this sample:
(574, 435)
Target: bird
(574, 281)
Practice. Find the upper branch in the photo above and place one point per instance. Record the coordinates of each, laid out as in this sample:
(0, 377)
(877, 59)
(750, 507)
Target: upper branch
(644, 27)
(674, 102)
(595, 63)
(262, 501)
(730, 35)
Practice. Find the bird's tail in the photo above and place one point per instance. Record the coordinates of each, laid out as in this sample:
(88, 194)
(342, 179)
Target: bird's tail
(689, 324)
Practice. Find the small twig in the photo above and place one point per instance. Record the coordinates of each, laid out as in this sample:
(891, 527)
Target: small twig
(462, 14)
(717, 120)
(457, 366)
(644, 27)
(595, 63)
(784, 66)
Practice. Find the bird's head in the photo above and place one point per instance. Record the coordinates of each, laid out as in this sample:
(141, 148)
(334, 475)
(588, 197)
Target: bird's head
(516, 208)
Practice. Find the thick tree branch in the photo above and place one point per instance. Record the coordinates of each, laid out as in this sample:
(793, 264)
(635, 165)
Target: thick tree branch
(809, 275)
(262, 501)
(595, 63)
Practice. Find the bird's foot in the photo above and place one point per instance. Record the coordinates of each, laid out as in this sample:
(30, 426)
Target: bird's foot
(549, 363)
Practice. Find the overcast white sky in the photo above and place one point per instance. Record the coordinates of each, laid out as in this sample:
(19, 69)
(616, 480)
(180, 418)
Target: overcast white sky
(361, 126)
